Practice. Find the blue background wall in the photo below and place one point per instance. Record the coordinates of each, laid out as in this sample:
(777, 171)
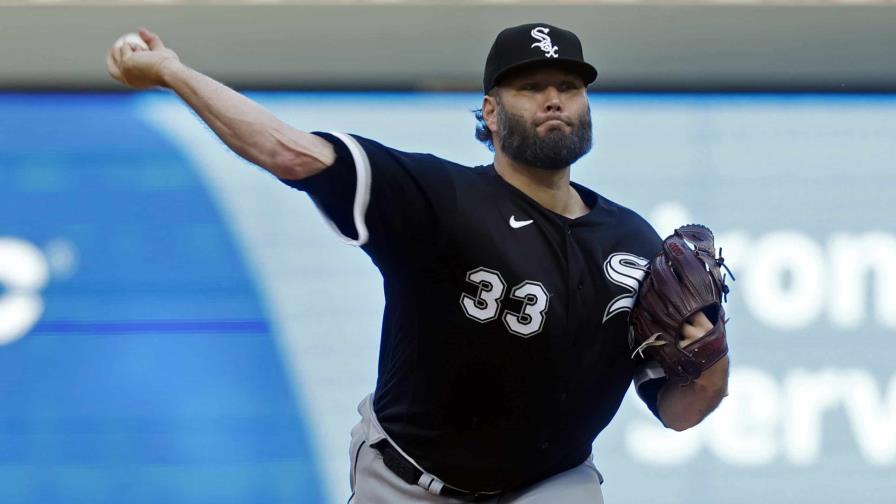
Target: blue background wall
(152, 374)
(178, 326)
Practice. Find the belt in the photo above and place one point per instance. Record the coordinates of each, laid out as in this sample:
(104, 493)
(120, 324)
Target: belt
(412, 475)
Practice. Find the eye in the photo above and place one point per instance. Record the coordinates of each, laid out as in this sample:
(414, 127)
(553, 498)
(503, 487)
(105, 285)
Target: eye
(528, 86)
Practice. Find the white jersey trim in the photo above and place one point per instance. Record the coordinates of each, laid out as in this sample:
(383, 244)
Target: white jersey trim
(362, 192)
(649, 371)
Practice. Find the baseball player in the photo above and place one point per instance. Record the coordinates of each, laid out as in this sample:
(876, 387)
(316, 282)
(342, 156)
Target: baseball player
(505, 339)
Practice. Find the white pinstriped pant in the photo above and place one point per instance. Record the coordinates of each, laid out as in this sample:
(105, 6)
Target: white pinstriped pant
(373, 483)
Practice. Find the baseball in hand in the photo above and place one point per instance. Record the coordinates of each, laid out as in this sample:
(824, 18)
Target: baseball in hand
(133, 40)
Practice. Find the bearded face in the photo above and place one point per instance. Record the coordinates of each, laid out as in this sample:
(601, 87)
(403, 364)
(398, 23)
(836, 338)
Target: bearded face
(553, 149)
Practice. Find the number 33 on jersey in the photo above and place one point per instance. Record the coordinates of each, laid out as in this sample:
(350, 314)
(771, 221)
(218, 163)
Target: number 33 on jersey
(623, 269)
(486, 306)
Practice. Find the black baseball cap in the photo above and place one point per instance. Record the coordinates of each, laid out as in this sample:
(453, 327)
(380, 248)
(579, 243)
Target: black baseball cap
(532, 44)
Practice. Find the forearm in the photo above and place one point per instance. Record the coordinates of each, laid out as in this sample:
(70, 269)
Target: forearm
(682, 407)
(246, 127)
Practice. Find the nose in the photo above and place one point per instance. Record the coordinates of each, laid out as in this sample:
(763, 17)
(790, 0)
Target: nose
(552, 100)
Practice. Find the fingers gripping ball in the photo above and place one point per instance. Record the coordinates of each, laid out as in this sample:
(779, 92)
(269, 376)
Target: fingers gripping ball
(131, 39)
(683, 279)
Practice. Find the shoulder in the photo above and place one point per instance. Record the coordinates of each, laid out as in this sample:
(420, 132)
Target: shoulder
(350, 143)
(377, 151)
(634, 233)
(419, 164)
(634, 222)
(641, 237)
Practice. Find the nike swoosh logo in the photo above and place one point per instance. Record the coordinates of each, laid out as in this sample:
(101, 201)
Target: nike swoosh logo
(515, 224)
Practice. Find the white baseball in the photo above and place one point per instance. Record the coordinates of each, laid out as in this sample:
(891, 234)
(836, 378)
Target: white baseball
(133, 40)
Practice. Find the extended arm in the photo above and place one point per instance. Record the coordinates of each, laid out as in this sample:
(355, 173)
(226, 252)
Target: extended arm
(246, 127)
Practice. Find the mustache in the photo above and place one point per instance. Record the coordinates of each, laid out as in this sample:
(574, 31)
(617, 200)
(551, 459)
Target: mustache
(565, 120)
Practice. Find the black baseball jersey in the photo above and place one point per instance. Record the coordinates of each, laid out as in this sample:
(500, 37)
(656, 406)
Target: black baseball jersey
(504, 346)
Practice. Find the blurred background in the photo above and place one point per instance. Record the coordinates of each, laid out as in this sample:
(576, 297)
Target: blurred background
(176, 326)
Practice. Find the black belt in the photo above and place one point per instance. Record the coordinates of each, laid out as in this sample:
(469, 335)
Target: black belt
(410, 474)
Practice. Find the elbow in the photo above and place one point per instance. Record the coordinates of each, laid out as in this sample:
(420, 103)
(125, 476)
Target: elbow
(293, 158)
(289, 164)
(685, 411)
(680, 425)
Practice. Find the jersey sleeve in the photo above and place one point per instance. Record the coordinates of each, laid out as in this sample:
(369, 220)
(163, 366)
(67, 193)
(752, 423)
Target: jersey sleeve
(378, 198)
(649, 375)
(649, 379)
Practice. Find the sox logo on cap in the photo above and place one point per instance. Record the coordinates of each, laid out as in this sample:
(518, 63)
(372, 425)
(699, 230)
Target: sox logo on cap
(544, 42)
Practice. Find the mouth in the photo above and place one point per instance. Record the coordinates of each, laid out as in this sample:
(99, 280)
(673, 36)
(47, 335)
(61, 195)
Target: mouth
(555, 121)
(554, 125)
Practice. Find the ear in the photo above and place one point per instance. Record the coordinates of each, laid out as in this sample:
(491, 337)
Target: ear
(490, 112)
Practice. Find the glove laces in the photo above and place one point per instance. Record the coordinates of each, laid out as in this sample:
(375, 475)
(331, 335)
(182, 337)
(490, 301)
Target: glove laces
(721, 262)
(649, 342)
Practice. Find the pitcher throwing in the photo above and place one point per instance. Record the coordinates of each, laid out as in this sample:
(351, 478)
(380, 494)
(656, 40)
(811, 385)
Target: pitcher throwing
(505, 340)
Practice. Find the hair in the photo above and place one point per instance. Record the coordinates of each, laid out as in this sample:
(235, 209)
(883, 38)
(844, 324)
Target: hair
(483, 133)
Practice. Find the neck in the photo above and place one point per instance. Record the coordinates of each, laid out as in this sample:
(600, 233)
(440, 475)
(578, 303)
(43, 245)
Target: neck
(550, 188)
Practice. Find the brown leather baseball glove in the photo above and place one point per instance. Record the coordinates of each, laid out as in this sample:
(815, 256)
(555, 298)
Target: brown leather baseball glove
(683, 279)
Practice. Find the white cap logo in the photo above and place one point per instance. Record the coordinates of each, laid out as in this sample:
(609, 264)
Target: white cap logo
(544, 42)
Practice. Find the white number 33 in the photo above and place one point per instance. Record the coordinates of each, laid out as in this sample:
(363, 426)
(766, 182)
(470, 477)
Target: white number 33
(486, 305)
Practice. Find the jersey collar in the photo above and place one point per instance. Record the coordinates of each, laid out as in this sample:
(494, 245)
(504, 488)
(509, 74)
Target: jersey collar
(600, 211)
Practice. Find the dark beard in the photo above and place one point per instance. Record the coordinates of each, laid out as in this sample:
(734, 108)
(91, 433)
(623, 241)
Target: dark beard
(554, 151)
